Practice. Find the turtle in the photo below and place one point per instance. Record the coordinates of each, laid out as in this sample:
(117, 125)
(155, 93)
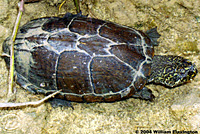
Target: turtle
(92, 60)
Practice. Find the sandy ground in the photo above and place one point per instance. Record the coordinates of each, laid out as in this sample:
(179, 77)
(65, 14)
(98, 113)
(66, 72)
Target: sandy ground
(173, 109)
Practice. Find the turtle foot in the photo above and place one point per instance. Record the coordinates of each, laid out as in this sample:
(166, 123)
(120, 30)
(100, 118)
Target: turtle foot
(60, 103)
(145, 94)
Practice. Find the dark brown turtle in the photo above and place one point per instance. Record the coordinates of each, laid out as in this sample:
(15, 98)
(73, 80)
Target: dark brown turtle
(92, 60)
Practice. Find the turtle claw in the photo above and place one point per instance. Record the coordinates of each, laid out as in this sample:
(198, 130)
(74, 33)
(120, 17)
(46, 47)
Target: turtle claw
(145, 94)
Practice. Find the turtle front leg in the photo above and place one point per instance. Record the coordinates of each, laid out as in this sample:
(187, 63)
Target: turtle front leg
(145, 94)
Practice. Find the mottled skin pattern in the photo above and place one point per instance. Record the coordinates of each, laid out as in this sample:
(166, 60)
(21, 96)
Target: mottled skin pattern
(92, 60)
(171, 70)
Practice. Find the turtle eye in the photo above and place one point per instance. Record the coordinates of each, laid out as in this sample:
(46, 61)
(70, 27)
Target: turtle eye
(179, 70)
(182, 70)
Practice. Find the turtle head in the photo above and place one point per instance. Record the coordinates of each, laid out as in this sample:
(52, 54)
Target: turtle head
(180, 73)
(172, 70)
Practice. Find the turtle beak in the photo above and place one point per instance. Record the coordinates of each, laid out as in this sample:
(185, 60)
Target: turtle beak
(190, 74)
(193, 72)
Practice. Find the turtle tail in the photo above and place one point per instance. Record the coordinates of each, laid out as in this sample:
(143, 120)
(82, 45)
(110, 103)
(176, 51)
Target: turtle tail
(153, 35)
